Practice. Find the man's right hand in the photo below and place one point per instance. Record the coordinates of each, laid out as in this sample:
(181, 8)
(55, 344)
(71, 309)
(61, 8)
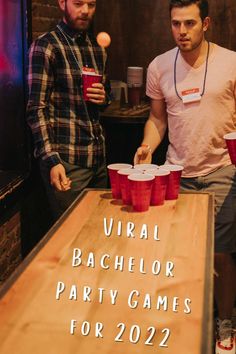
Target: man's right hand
(143, 155)
(58, 178)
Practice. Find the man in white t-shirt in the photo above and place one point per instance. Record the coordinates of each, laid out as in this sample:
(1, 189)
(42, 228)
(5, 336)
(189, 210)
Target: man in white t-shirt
(193, 92)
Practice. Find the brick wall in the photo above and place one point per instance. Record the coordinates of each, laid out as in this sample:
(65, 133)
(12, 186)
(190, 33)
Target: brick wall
(10, 246)
(45, 15)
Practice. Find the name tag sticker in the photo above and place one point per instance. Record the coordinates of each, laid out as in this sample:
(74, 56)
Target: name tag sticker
(192, 95)
(89, 70)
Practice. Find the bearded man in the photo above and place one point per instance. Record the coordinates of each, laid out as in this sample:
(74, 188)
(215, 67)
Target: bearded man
(68, 138)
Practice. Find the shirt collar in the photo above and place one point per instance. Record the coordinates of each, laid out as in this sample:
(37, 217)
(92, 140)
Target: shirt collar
(73, 34)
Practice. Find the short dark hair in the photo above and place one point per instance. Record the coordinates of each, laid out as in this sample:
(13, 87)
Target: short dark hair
(202, 4)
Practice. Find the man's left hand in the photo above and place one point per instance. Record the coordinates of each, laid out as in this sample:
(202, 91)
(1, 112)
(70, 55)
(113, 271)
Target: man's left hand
(97, 94)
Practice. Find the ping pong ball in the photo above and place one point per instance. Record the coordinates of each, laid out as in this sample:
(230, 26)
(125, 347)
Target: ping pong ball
(103, 39)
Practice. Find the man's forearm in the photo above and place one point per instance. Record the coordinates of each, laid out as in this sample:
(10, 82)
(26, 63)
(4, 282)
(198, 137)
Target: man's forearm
(153, 133)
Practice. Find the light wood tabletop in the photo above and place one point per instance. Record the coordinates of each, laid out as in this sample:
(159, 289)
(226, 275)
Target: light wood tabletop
(107, 280)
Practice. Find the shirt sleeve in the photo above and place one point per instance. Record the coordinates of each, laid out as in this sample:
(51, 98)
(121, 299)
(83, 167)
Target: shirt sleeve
(40, 85)
(153, 89)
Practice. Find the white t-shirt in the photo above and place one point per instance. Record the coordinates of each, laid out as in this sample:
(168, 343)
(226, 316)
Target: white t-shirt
(196, 129)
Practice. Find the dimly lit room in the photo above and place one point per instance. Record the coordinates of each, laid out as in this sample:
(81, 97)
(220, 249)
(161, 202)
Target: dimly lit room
(117, 176)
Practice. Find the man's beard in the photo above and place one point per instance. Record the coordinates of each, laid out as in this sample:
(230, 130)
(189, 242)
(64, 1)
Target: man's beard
(73, 23)
(192, 47)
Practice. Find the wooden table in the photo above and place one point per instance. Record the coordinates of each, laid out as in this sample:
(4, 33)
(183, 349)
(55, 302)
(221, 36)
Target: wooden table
(166, 260)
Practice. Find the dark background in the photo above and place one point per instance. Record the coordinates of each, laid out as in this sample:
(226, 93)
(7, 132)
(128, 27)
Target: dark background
(139, 29)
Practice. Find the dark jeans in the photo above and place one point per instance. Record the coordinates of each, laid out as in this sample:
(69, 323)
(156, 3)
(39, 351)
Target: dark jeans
(223, 183)
(95, 177)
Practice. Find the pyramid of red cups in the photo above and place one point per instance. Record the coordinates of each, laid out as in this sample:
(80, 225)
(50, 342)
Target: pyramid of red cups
(143, 185)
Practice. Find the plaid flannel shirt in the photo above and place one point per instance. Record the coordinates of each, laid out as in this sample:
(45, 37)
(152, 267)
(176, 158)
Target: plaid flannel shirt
(64, 127)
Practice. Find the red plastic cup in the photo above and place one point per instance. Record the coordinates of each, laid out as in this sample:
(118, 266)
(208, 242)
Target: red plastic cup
(231, 145)
(134, 95)
(173, 184)
(88, 79)
(141, 188)
(159, 185)
(125, 184)
(142, 167)
(114, 178)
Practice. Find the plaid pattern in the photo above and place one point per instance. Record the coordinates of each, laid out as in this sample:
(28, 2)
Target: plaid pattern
(63, 125)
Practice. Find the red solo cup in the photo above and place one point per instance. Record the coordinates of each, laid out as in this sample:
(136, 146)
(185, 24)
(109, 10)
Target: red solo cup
(141, 188)
(145, 167)
(159, 185)
(231, 145)
(125, 184)
(88, 79)
(134, 95)
(173, 184)
(114, 178)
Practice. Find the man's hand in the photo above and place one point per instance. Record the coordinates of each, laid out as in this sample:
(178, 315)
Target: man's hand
(58, 178)
(97, 94)
(143, 155)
